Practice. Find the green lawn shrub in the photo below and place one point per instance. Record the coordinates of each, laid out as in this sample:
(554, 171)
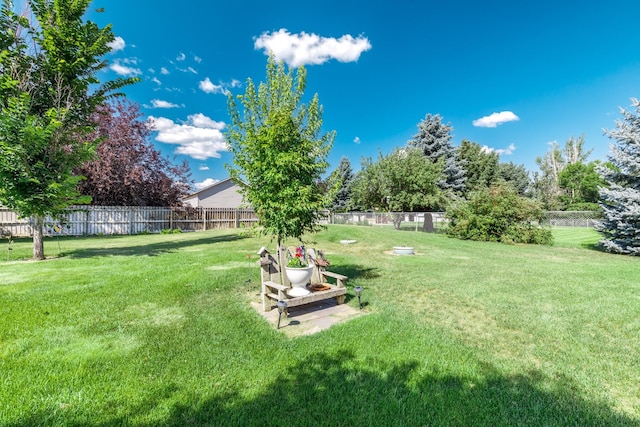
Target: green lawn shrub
(499, 214)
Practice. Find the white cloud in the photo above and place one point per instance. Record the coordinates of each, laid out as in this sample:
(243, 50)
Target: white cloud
(131, 61)
(192, 70)
(159, 103)
(199, 137)
(499, 151)
(200, 120)
(208, 87)
(181, 57)
(203, 168)
(123, 70)
(206, 183)
(164, 71)
(303, 48)
(117, 44)
(357, 140)
(156, 80)
(197, 59)
(495, 119)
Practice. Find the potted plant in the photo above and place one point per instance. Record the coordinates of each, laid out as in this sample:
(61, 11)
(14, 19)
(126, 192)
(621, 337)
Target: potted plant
(299, 272)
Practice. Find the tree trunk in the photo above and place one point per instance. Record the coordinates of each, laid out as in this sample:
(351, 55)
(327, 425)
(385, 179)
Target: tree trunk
(38, 244)
(428, 223)
(397, 220)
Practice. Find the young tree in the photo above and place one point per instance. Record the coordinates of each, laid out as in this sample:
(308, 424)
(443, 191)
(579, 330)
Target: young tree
(48, 91)
(621, 201)
(128, 170)
(434, 139)
(402, 181)
(278, 154)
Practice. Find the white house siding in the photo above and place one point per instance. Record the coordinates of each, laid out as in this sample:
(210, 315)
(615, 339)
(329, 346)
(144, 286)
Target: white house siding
(224, 194)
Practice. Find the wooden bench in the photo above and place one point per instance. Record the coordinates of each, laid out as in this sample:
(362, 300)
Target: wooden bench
(275, 283)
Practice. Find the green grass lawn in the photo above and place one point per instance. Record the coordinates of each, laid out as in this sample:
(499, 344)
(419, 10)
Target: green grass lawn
(157, 330)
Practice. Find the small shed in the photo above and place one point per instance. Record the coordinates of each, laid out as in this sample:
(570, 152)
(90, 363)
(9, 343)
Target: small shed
(222, 194)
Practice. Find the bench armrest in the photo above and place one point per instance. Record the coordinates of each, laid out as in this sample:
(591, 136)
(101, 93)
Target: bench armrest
(334, 275)
(275, 286)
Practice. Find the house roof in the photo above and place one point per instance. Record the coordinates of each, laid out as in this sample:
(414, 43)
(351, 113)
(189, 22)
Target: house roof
(224, 181)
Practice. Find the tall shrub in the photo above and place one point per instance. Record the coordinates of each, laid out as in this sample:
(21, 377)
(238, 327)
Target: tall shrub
(499, 214)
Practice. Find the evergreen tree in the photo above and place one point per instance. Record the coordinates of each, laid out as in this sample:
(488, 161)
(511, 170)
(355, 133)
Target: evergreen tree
(339, 186)
(621, 201)
(517, 176)
(481, 166)
(434, 139)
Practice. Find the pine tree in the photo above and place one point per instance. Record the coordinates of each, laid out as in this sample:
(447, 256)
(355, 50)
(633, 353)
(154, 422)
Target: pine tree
(621, 201)
(434, 139)
(339, 184)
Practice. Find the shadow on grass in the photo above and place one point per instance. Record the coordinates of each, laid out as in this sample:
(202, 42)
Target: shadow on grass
(354, 271)
(336, 389)
(150, 249)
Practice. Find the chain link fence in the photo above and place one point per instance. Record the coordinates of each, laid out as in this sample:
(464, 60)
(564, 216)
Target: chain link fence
(437, 221)
(418, 221)
(573, 218)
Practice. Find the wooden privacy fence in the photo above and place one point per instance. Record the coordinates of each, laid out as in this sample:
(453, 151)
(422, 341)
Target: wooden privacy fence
(108, 220)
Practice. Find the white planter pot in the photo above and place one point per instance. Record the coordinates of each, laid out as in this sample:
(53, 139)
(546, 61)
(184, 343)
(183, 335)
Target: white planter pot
(403, 250)
(299, 277)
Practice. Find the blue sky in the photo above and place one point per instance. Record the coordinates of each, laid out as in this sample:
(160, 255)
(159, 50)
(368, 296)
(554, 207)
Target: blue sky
(511, 76)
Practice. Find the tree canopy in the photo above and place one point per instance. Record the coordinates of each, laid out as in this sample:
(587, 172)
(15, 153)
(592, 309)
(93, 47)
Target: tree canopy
(279, 155)
(547, 184)
(402, 181)
(127, 169)
(434, 139)
(338, 186)
(481, 167)
(48, 91)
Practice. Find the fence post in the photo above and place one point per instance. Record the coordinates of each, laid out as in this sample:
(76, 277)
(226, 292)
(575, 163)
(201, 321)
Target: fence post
(131, 221)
